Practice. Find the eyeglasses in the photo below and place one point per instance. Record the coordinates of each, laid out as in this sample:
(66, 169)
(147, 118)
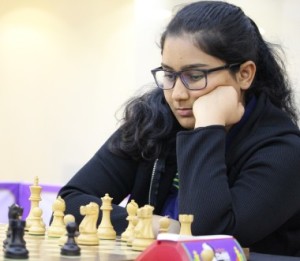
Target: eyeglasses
(192, 79)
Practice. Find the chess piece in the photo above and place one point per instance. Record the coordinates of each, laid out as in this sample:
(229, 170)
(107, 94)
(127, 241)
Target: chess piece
(16, 248)
(70, 248)
(37, 226)
(131, 208)
(67, 219)
(246, 252)
(134, 221)
(143, 232)
(15, 212)
(105, 229)
(242, 255)
(138, 221)
(164, 224)
(88, 226)
(185, 224)
(57, 227)
(35, 198)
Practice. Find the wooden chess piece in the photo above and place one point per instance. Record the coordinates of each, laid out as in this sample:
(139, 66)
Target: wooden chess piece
(105, 229)
(67, 219)
(15, 212)
(134, 222)
(164, 224)
(138, 226)
(57, 227)
(185, 224)
(88, 226)
(37, 226)
(16, 248)
(70, 248)
(35, 198)
(131, 208)
(144, 234)
(246, 252)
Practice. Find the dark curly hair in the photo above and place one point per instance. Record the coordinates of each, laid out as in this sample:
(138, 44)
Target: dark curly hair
(147, 123)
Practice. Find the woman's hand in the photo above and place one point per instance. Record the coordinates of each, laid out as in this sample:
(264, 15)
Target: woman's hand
(221, 106)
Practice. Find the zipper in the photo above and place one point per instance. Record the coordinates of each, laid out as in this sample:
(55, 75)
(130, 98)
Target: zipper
(151, 182)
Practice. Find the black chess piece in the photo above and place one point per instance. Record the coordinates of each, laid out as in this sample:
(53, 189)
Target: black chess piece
(15, 212)
(70, 248)
(16, 247)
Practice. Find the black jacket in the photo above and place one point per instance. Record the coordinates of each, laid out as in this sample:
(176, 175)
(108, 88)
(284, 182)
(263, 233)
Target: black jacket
(249, 189)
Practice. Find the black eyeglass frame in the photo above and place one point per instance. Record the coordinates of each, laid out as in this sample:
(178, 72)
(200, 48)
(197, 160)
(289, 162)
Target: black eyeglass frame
(179, 74)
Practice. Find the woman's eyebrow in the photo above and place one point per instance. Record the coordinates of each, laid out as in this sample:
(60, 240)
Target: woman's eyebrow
(189, 66)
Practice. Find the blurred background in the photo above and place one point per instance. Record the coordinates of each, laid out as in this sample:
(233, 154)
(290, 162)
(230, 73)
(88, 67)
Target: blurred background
(67, 66)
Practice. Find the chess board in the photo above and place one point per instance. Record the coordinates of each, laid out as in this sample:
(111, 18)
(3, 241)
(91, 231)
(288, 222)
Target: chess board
(48, 249)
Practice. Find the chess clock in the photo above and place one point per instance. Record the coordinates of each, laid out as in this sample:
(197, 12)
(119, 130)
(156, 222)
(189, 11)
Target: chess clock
(196, 248)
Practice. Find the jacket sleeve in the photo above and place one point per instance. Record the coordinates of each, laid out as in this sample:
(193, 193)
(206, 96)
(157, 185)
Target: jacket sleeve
(104, 173)
(264, 195)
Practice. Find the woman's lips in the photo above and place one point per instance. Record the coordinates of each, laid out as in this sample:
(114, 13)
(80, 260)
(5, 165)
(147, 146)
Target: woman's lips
(184, 112)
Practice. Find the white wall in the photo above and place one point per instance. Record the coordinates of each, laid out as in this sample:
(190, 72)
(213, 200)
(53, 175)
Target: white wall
(66, 66)
(65, 69)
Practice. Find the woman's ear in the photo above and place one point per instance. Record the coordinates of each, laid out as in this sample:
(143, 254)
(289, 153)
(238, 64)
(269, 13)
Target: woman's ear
(246, 74)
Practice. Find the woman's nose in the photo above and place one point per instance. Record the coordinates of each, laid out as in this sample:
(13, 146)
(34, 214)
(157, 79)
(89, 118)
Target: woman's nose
(179, 90)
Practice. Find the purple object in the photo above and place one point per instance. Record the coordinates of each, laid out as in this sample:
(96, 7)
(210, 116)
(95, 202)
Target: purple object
(19, 193)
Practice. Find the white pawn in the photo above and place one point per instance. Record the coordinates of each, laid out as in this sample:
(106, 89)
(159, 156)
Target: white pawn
(67, 219)
(57, 227)
(37, 226)
(164, 224)
(105, 229)
(185, 224)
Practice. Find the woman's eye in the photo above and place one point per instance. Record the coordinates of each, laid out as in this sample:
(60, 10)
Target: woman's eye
(195, 76)
(169, 76)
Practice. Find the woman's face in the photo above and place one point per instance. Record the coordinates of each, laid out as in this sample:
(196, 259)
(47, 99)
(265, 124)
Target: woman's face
(180, 53)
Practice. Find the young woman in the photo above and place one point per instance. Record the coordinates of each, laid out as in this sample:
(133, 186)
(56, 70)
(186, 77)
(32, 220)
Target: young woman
(217, 139)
